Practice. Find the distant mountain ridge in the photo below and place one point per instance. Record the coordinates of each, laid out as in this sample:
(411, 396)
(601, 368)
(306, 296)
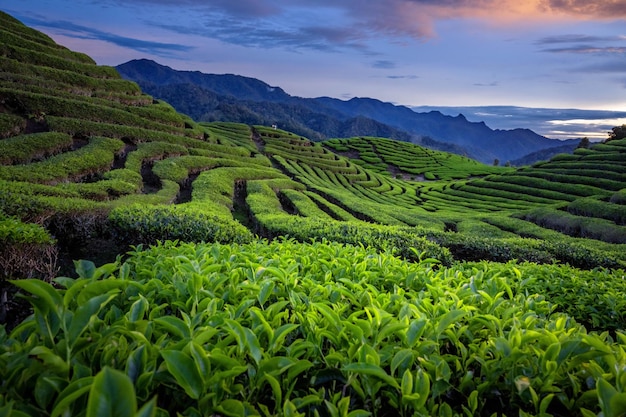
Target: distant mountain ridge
(227, 97)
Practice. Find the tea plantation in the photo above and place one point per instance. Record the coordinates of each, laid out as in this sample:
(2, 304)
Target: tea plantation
(154, 266)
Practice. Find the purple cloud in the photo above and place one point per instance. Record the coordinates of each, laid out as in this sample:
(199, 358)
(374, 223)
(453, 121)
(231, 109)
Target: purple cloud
(403, 77)
(384, 64)
(77, 31)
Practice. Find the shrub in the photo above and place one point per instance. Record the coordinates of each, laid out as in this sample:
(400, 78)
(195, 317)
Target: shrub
(26, 251)
(619, 197)
(266, 209)
(26, 148)
(97, 156)
(593, 207)
(39, 208)
(138, 224)
(11, 125)
(475, 248)
(579, 226)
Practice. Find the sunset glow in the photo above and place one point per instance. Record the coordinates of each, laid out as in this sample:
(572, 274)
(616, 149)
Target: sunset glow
(538, 53)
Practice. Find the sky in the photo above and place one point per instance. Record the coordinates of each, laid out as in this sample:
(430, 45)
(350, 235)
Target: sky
(449, 54)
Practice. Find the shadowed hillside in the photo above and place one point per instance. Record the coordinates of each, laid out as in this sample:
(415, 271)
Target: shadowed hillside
(242, 99)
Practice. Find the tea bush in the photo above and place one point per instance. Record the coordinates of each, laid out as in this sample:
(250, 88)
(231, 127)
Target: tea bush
(26, 148)
(137, 224)
(323, 329)
(26, 251)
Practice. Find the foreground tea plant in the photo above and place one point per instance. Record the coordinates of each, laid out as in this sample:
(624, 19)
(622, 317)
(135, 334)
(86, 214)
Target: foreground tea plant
(293, 329)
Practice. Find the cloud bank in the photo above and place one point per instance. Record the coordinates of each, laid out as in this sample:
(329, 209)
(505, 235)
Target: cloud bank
(84, 32)
(329, 25)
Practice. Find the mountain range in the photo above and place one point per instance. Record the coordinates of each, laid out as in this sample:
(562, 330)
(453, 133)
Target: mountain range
(235, 98)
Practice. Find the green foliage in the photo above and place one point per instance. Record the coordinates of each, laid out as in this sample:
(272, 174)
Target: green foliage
(380, 154)
(151, 151)
(15, 232)
(23, 102)
(51, 59)
(619, 197)
(38, 208)
(11, 37)
(166, 195)
(273, 221)
(302, 204)
(26, 251)
(389, 326)
(137, 224)
(115, 89)
(578, 226)
(591, 297)
(311, 329)
(10, 125)
(81, 127)
(593, 207)
(132, 178)
(95, 157)
(475, 247)
(26, 148)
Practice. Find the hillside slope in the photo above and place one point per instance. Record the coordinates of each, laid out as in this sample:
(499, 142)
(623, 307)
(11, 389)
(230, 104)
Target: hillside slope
(87, 154)
(323, 114)
(166, 267)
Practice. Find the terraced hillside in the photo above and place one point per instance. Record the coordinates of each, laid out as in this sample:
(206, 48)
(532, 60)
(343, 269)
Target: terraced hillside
(100, 165)
(226, 269)
(407, 161)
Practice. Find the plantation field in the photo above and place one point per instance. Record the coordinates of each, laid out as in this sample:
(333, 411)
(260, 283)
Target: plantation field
(285, 328)
(151, 265)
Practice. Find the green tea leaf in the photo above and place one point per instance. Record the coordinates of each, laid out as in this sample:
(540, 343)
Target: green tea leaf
(111, 394)
(415, 331)
(332, 318)
(185, 371)
(594, 341)
(71, 294)
(290, 410)
(84, 314)
(95, 288)
(136, 363)
(70, 394)
(149, 409)
(448, 319)
(85, 269)
(545, 403)
(299, 367)
(402, 360)
(253, 344)
(138, 309)
(46, 389)
(275, 385)
(266, 290)
(47, 297)
(175, 326)
(406, 386)
(373, 370)
(612, 402)
(51, 360)
(246, 339)
(422, 387)
(359, 413)
(276, 365)
(200, 358)
(279, 336)
(232, 408)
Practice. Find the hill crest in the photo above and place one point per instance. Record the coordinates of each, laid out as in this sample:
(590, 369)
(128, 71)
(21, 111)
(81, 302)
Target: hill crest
(303, 115)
